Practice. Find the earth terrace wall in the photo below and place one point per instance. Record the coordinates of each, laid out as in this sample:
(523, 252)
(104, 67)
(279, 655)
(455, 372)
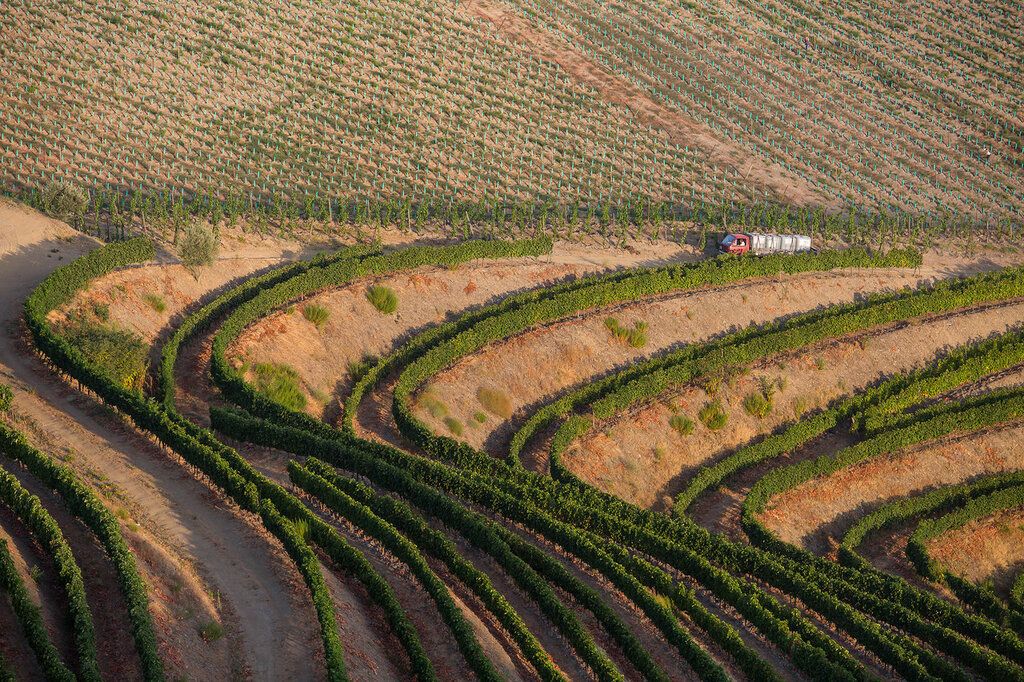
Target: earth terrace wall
(940, 500)
(795, 333)
(643, 284)
(962, 365)
(248, 401)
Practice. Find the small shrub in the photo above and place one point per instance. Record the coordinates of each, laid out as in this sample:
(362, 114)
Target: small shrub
(279, 383)
(712, 384)
(301, 527)
(635, 337)
(495, 402)
(681, 424)
(64, 201)
(35, 573)
(383, 299)
(819, 362)
(6, 398)
(156, 302)
(198, 246)
(101, 311)
(454, 425)
(659, 452)
(713, 415)
(211, 632)
(479, 417)
(317, 314)
(758, 404)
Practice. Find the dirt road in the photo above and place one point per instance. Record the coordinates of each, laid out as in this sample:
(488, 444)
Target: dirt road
(272, 625)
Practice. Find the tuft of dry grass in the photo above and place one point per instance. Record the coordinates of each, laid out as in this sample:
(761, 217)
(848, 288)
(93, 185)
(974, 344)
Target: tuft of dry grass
(494, 401)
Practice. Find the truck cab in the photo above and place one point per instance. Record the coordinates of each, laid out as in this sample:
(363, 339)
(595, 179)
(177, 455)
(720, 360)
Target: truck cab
(734, 243)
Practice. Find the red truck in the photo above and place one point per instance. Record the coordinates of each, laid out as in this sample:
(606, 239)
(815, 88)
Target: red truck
(761, 244)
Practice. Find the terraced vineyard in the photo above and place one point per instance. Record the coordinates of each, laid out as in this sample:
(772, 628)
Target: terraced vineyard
(458, 467)
(389, 340)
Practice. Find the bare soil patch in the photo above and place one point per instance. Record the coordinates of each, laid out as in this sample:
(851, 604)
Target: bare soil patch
(991, 548)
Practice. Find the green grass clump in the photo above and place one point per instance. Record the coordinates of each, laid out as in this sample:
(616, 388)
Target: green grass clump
(122, 355)
(479, 417)
(429, 402)
(317, 314)
(383, 299)
(495, 402)
(211, 632)
(635, 337)
(279, 383)
(681, 424)
(713, 415)
(454, 425)
(6, 398)
(758, 404)
(357, 369)
(156, 302)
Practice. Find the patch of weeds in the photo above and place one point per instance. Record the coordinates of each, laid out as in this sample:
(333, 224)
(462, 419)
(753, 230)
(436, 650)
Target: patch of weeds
(681, 424)
(635, 337)
(659, 452)
(280, 383)
(713, 415)
(431, 403)
(800, 407)
(156, 302)
(383, 299)
(101, 311)
(479, 417)
(357, 369)
(317, 314)
(35, 573)
(6, 398)
(120, 354)
(211, 632)
(301, 528)
(494, 401)
(711, 384)
(819, 362)
(759, 403)
(454, 425)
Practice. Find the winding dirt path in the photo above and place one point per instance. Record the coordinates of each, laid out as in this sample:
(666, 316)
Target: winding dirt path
(272, 630)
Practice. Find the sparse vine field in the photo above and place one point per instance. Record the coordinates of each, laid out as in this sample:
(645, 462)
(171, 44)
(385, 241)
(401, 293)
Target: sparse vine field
(571, 116)
(388, 340)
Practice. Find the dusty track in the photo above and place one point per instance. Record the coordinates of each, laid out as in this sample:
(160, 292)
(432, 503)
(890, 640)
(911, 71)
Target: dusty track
(271, 630)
